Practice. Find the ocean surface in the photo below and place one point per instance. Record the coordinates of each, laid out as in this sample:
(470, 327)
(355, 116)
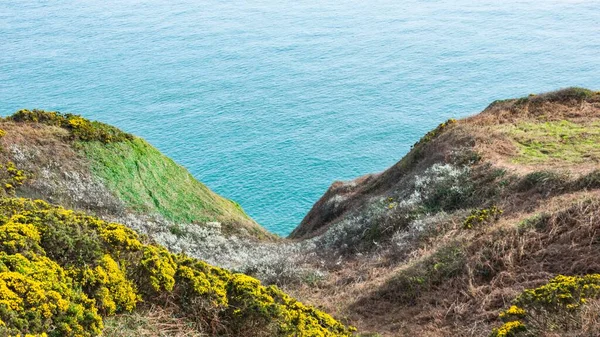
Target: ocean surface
(268, 102)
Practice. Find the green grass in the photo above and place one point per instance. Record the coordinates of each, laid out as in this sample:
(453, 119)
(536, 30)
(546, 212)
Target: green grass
(149, 182)
(556, 141)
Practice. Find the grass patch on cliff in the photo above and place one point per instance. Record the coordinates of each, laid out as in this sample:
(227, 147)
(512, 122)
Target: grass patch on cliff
(564, 141)
(149, 182)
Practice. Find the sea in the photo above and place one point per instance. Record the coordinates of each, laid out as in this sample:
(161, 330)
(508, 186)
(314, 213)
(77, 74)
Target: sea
(269, 101)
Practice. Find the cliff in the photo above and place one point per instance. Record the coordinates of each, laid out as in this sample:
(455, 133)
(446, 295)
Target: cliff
(67, 273)
(94, 167)
(489, 225)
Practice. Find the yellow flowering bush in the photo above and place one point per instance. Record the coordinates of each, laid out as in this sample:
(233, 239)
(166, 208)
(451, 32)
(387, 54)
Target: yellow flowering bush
(19, 238)
(110, 287)
(11, 177)
(64, 269)
(562, 292)
(482, 216)
(36, 294)
(79, 127)
(560, 297)
(158, 268)
(509, 329)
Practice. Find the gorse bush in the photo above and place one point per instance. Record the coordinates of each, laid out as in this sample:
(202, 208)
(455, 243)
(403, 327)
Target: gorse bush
(552, 306)
(61, 271)
(79, 127)
(482, 216)
(11, 177)
(435, 132)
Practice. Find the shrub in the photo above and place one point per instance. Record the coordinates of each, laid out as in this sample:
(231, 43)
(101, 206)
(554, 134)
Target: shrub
(429, 136)
(544, 181)
(79, 127)
(423, 276)
(482, 216)
(588, 181)
(157, 268)
(107, 283)
(566, 95)
(58, 268)
(36, 294)
(444, 187)
(11, 177)
(552, 306)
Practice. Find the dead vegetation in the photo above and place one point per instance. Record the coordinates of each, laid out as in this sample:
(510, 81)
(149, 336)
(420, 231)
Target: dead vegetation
(150, 322)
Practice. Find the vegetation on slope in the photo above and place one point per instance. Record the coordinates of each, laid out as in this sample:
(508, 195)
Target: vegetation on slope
(149, 182)
(479, 211)
(79, 127)
(557, 140)
(490, 222)
(557, 306)
(137, 174)
(62, 271)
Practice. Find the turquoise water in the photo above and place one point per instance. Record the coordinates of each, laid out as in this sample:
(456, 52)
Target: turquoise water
(268, 102)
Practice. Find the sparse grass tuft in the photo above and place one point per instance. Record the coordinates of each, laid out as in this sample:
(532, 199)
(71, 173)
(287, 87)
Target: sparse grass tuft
(423, 276)
(544, 181)
(152, 322)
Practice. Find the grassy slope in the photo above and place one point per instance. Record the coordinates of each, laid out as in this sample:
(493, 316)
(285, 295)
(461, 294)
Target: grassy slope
(434, 275)
(149, 182)
(560, 140)
(69, 155)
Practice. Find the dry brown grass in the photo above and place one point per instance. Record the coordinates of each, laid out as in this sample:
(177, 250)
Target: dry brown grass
(501, 261)
(375, 292)
(149, 322)
(55, 171)
(484, 134)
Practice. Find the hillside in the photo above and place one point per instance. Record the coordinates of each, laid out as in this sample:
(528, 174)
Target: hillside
(97, 168)
(66, 273)
(489, 226)
(62, 272)
(489, 222)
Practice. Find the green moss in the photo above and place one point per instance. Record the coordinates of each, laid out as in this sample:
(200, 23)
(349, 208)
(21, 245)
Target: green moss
(561, 141)
(149, 182)
(56, 283)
